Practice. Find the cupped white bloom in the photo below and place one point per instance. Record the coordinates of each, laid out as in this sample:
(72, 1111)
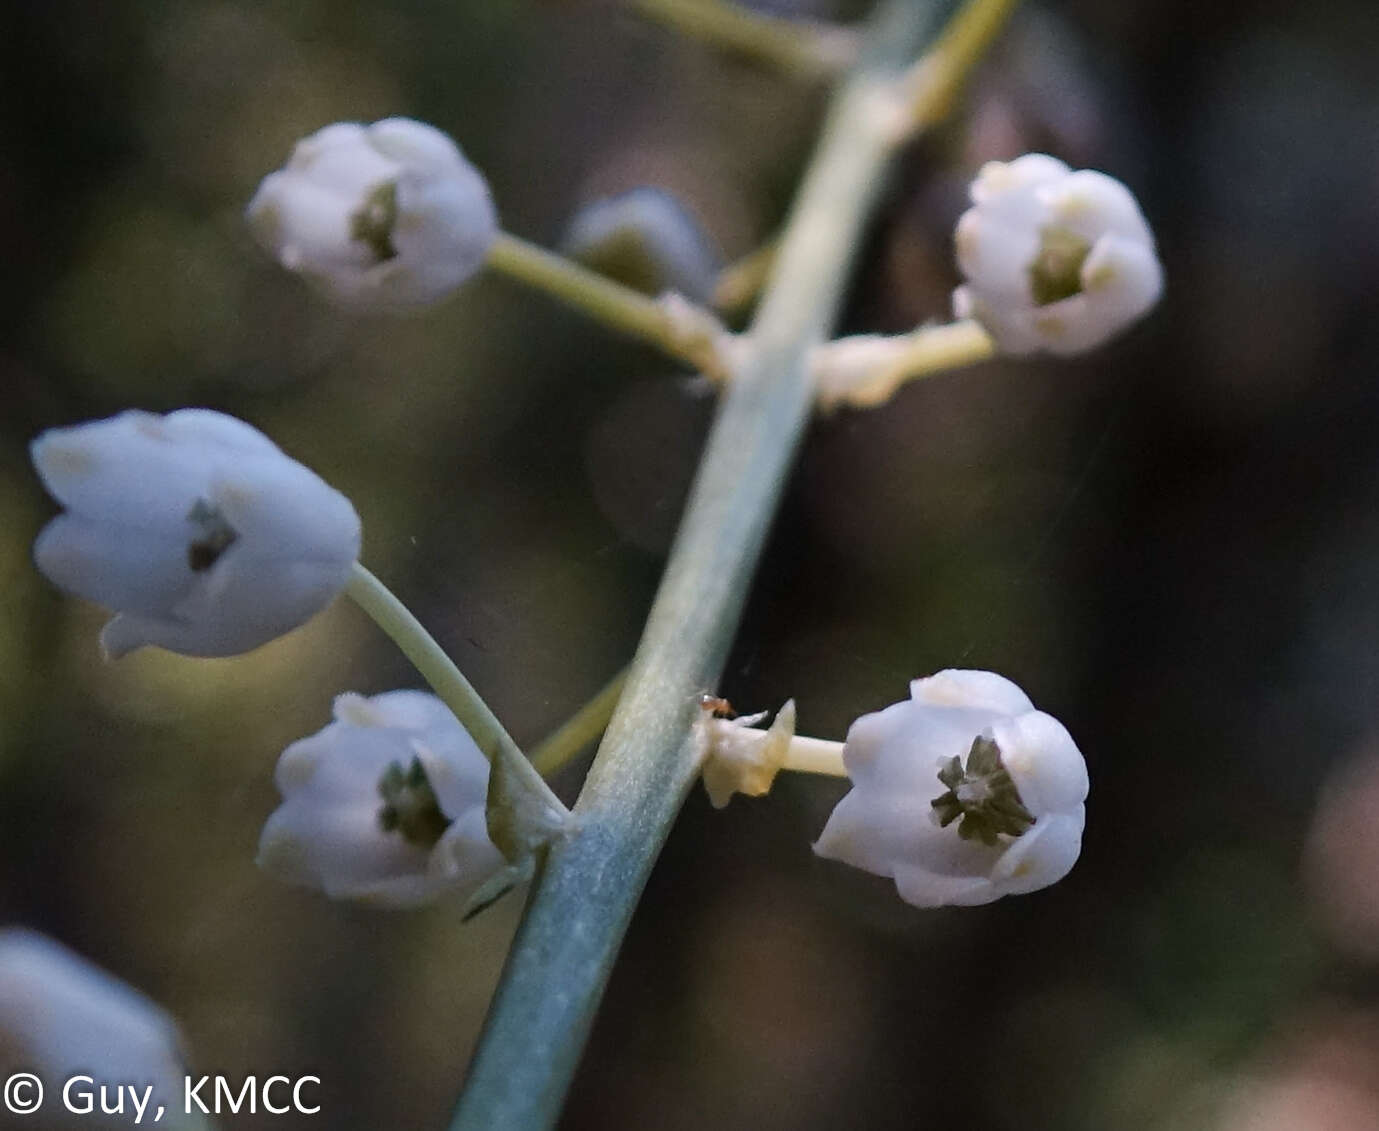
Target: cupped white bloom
(386, 216)
(962, 794)
(61, 1016)
(1054, 260)
(385, 805)
(646, 239)
(199, 532)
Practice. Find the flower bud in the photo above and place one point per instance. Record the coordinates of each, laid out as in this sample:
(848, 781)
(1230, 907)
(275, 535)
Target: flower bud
(962, 794)
(385, 805)
(646, 239)
(202, 535)
(1054, 260)
(62, 1017)
(382, 217)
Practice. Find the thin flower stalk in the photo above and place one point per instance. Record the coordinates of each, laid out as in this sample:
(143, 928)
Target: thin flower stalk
(669, 322)
(867, 370)
(581, 729)
(798, 46)
(935, 81)
(449, 683)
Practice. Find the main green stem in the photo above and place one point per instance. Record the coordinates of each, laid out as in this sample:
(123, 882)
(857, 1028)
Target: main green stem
(589, 883)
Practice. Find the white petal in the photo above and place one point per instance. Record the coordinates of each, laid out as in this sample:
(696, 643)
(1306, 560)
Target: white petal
(995, 255)
(127, 469)
(341, 763)
(903, 746)
(244, 603)
(854, 835)
(205, 427)
(959, 687)
(407, 142)
(1091, 205)
(101, 562)
(1000, 182)
(1011, 326)
(308, 228)
(60, 1015)
(445, 225)
(397, 893)
(341, 160)
(457, 770)
(281, 509)
(873, 736)
(312, 148)
(1043, 761)
(407, 710)
(882, 831)
(923, 888)
(1121, 280)
(1042, 856)
(465, 857)
(340, 849)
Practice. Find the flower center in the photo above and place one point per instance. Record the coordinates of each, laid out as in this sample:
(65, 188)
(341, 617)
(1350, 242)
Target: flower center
(1056, 272)
(213, 536)
(981, 797)
(410, 808)
(373, 224)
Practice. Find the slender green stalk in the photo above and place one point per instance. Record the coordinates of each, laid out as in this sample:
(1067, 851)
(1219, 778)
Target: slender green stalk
(797, 45)
(448, 682)
(671, 323)
(938, 77)
(934, 82)
(589, 883)
(580, 729)
(902, 358)
(741, 281)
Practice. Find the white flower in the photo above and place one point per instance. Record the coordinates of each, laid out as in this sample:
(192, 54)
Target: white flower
(61, 1016)
(202, 535)
(386, 216)
(385, 805)
(646, 239)
(1007, 821)
(1054, 260)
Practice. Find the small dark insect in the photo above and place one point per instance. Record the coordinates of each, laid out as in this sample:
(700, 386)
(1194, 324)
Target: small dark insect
(720, 707)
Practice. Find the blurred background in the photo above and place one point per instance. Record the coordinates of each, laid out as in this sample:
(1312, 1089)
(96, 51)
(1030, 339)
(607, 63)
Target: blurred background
(1172, 545)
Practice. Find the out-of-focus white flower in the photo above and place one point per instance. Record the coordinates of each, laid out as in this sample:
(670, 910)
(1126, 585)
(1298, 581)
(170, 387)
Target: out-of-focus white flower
(385, 805)
(646, 239)
(202, 535)
(387, 216)
(962, 794)
(1054, 260)
(61, 1016)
